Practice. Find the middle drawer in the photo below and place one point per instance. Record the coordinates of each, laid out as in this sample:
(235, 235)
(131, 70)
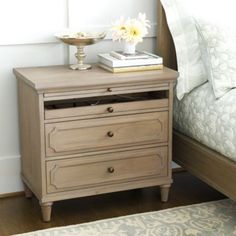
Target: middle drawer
(105, 133)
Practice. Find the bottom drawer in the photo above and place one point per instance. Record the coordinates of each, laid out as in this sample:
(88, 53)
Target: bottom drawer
(86, 172)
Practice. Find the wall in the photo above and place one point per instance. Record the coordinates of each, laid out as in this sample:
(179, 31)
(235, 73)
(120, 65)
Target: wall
(27, 29)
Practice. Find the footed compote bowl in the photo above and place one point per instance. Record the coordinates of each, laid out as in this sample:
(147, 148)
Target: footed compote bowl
(80, 40)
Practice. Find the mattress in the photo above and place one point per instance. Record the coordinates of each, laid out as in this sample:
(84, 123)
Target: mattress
(210, 121)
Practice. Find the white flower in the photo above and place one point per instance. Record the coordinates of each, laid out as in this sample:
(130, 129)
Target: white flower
(118, 29)
(130, 30)
(135, 31)
(142, 18)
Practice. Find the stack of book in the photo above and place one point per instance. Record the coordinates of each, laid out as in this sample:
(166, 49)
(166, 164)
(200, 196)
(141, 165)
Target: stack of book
(116, 61)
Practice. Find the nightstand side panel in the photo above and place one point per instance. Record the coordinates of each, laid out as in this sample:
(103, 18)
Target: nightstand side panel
(31, 137)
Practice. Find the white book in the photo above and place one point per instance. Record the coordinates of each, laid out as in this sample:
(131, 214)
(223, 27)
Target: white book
(108, 60)
(123, 56)
(131, 68)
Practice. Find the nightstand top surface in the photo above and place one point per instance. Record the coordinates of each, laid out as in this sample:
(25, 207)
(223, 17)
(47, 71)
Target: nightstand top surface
(61, 77)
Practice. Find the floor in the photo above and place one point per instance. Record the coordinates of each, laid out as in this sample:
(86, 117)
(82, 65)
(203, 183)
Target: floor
(18, 214)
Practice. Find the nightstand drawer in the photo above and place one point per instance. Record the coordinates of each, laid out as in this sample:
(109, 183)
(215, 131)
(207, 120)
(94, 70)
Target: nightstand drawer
(95, 110)
(79, 173)
(107, 91)
(105, 133)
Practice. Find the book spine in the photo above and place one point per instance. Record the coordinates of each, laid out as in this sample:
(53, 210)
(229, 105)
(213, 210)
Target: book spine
(131, 69)
(137, 68)
(130, 57)
(105, 61)
(137, 62)
(116, 55)
(128, 63)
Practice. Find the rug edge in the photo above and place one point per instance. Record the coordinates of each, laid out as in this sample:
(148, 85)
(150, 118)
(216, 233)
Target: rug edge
(118, 217)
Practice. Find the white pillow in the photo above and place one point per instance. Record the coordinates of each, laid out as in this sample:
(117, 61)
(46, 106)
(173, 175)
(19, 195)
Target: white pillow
(183, 29)
(220, 44)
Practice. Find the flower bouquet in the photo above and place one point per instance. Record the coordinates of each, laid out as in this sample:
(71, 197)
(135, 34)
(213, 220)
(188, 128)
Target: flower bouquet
(131, 31)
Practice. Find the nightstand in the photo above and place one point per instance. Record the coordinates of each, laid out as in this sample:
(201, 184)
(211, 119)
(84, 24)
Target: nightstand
(92, 132)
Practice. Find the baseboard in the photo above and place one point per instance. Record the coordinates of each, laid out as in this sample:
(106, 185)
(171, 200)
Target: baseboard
(10, 181)
(14, 194)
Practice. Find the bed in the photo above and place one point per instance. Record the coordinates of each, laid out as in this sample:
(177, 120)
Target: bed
(206, 160)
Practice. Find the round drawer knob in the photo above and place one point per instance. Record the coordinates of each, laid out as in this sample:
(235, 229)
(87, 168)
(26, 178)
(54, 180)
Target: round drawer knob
(111, 169)
(110, 134)
(110, 109)
(109, 90)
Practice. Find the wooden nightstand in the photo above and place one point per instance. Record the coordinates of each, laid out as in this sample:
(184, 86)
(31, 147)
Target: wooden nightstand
(93, 132)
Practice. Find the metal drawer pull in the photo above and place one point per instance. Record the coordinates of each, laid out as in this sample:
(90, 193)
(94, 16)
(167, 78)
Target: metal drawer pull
(109, 90)
(110, 109)
(110, 134)
(111, 169)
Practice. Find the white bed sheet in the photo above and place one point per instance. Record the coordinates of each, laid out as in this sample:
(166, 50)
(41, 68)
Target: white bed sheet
(211, 122)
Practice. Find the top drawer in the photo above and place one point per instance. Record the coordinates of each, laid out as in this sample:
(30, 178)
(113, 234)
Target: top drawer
(105, 106)
(106, 91)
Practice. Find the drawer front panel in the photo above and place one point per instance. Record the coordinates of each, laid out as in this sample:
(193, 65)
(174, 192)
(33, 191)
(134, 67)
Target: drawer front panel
(106, 91)
(66, 175)
(98, 134)
(106, 110)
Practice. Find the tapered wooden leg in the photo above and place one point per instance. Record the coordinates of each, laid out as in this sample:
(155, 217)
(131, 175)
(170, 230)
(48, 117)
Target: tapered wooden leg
(28, 192)
(46, 209)
(165, 192)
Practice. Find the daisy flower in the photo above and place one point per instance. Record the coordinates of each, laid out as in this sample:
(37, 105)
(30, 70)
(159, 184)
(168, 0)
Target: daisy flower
(130, 30)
